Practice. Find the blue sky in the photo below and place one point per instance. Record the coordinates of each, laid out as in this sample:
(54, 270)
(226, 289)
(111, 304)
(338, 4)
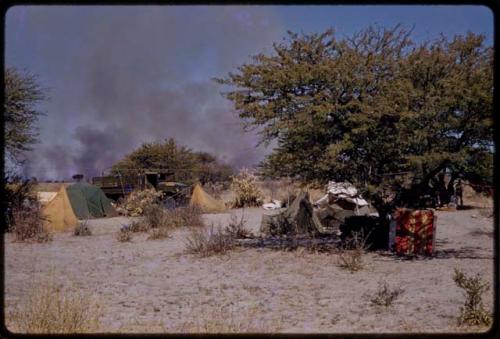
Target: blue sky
(119, 76)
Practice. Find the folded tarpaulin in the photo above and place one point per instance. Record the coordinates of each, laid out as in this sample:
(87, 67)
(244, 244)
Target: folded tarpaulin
(341, 191)
(274, 205)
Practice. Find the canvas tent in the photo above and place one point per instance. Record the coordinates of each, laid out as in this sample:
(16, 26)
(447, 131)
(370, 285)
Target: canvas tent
(89, 201)
(78, 201)
(203, 200)
(59, 213)
(299, 218)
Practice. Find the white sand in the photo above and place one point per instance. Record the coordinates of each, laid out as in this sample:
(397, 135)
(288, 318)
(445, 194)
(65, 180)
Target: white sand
(153, 286)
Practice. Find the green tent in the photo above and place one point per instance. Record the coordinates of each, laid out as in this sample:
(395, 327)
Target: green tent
(89, 201)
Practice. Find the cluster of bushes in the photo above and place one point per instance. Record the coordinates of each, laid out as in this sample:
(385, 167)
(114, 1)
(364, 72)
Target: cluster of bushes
(158, 221)
(136, 202)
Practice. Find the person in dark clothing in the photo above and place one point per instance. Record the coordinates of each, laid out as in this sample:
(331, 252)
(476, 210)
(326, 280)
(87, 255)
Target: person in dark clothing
(459, 193)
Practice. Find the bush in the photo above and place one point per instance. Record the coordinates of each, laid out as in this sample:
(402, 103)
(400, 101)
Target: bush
(82, 229)
(155, 216)
(246, 190)
(472, 312)
(385, 296)
(187, 216)
(352, 251)
(17, 193)
(209, 242)
(125, 234)
(236, 228)
(27, 223)
(158, 233)
(137, 201)
(138, 226)
(49, 310)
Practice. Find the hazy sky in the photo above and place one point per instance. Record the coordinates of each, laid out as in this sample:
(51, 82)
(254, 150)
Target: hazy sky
(120, 76)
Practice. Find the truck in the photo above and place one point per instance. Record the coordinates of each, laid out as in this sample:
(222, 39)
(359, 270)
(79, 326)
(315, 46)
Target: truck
(121, 184)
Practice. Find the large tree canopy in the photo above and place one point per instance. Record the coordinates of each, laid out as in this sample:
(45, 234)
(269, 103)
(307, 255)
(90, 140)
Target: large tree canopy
(370, 105)
(22, 94)
(168, 156)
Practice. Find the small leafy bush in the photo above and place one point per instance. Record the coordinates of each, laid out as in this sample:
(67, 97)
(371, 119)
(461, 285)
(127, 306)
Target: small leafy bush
(385, 296)
(136, 202)
(473, 311)
(245, 188)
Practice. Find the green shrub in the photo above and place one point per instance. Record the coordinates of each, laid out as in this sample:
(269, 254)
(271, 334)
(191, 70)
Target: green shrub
(473, 311)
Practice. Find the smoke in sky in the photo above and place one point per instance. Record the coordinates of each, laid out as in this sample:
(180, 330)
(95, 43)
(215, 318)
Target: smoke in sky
(121, 76)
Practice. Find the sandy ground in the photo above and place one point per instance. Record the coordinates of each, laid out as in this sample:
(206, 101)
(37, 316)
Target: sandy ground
(154, 286)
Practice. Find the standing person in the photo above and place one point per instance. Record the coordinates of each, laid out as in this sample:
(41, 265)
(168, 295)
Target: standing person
(459, 193)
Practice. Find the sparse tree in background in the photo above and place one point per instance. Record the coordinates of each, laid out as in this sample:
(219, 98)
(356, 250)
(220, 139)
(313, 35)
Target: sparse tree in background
(188, 166)
(367, 106)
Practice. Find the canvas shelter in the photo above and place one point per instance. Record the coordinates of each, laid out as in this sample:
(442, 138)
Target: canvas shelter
(298, 218)
(58, 213)
(89, 201)
(203, 200)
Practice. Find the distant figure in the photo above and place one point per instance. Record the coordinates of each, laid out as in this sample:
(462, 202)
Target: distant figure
(442, 191)
(459, 193)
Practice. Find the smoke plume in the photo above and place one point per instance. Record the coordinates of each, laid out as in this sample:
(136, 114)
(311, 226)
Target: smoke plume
(121, 76)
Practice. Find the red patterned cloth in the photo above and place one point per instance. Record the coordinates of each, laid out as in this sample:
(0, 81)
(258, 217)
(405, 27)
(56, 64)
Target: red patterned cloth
(414, 232)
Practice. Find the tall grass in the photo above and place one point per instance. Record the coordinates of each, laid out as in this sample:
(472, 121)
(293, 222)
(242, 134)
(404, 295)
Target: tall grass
(50, 310)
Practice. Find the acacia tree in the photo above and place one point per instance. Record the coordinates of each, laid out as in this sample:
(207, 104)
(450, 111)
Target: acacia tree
(370, 105)
(169, 156)
(22, 94)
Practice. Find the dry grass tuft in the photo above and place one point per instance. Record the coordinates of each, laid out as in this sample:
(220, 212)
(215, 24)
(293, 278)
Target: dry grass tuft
(125, 234)
(236, 228)
(472, 313)
(351, 253)
(208, 242)
(82, 229)
(385, 295)
(158, 233)
(49, 310)
(27, 223)
(227, 319)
